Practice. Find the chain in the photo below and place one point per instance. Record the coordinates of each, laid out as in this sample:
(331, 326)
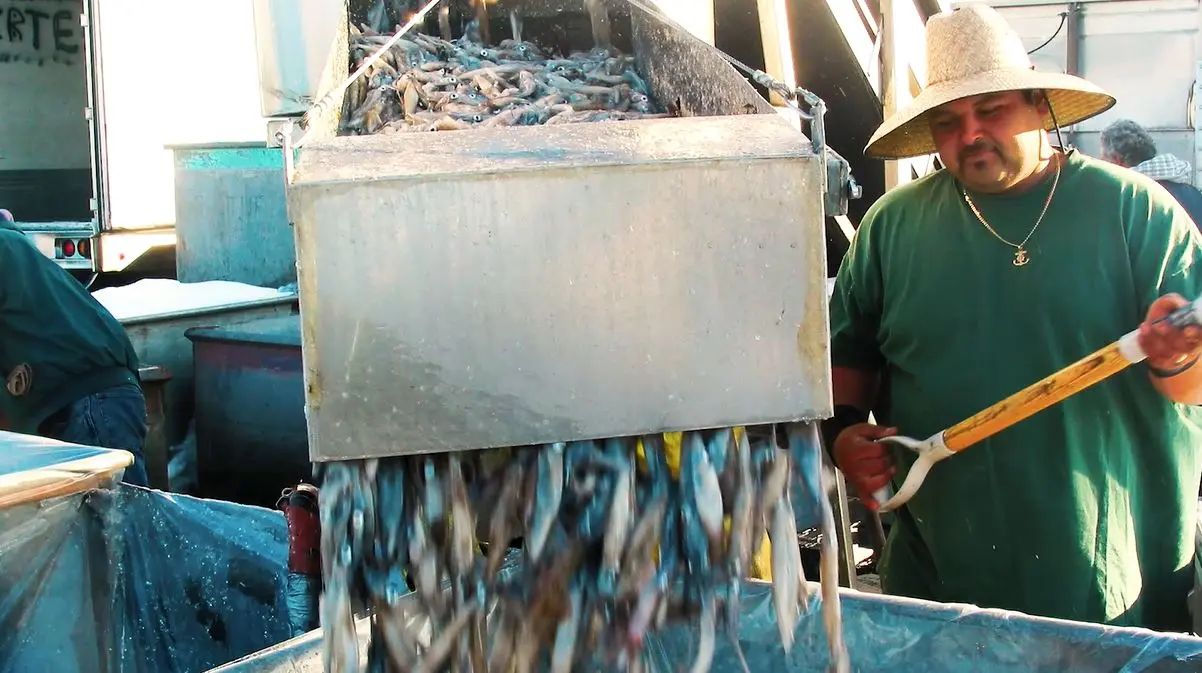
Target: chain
(1020, 251)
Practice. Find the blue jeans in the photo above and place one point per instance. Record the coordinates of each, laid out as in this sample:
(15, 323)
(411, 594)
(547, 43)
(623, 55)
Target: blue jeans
(110, 419)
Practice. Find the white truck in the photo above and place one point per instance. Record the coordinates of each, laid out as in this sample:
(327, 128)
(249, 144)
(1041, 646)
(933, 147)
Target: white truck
(91, 94)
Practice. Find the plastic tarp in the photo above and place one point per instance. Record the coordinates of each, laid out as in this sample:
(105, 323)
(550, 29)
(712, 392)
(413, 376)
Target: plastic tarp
(884, 633)
(122, 579)
(153, 296)
(1195, 596)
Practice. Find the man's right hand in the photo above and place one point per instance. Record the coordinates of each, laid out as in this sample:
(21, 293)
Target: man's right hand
(866, 463)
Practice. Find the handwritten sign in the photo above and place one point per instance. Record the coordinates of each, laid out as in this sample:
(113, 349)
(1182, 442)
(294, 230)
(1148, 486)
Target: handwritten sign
(41, 32)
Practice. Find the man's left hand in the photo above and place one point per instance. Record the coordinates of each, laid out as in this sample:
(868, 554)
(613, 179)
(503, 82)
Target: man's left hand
(1166, 346)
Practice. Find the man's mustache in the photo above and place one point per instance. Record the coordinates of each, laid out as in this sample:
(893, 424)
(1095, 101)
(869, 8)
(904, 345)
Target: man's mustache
(977, 148)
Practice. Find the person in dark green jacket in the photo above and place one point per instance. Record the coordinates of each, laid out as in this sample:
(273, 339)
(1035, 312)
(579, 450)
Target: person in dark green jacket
(964, 286)
(69, 370)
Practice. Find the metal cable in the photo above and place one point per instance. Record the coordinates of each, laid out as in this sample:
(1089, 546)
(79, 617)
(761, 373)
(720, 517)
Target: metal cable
(337, 92)
(1063, 20)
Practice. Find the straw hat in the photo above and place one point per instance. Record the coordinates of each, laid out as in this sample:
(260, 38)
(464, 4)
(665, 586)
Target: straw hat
(973, 51)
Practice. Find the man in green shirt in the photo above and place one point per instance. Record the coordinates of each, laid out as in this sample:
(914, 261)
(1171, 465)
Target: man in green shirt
(68, 368)
(967, 285)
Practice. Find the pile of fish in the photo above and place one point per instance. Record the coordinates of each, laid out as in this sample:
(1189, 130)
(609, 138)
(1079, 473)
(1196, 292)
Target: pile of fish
(426, 83)
(616, 541)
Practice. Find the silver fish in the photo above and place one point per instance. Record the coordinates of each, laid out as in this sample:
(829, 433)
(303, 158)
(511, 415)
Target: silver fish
(590, 586)
(564, 648)
(804, 444)
(617, 527)
(707, 640)
(502, 523)
(341, 651)
(549, 490)
(708, 498)
(786, 569)
(439, 650)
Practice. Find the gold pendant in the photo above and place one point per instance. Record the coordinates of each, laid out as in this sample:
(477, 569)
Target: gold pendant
(1020, 257)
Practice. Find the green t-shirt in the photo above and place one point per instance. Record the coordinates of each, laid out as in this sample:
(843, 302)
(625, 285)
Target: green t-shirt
(1086, 510)
(50, 323)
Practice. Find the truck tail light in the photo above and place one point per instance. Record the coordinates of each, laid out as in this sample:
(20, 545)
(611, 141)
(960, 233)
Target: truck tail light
(68, 248)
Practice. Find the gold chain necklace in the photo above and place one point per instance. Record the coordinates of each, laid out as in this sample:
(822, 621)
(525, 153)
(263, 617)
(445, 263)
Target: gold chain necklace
(1020, 251)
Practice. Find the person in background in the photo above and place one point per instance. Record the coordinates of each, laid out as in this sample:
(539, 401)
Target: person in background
(969, 284)
(1129, 145)
(68, 368)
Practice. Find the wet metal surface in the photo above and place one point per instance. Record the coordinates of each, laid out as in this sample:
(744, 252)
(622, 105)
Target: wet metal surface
(688, 72)
(159, 340)
(557, 283)
(231, 217)
(250, 409)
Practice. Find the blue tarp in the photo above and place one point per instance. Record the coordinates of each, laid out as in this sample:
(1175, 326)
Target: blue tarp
(123, 579)
(884, 634)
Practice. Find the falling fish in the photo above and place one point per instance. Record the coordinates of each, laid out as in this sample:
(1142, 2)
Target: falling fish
(616, 544)
(805, 447)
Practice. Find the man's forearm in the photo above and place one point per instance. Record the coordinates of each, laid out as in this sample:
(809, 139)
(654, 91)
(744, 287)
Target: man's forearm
(853, 392)
(1179, 382)
(854, 387)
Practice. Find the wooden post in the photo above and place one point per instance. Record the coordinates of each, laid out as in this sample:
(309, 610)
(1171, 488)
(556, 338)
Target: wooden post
(903, 74)
(778, 44)
(697, 16)
(892, 82)
(155, 448)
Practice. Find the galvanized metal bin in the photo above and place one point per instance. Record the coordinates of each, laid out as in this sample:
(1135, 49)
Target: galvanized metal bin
(231, 217)
(159, 340)
(250, 415)
(561, 282)
(513, 286)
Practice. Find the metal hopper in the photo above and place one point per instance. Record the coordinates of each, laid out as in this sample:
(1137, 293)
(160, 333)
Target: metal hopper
(513, 286)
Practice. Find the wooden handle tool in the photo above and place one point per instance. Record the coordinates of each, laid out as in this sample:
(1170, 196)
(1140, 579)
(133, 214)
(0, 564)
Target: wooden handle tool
(1095, 367)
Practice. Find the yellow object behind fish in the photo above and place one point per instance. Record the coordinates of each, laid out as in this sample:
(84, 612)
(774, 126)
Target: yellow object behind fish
(761, 561)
